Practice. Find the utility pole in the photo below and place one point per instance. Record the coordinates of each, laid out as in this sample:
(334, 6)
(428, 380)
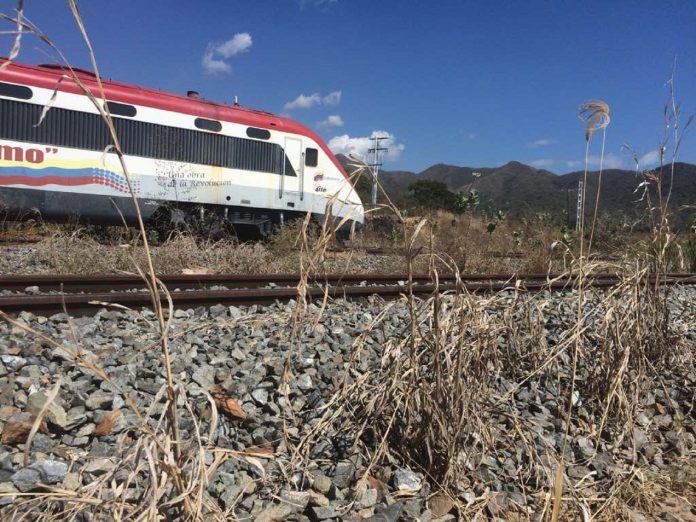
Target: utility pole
(578, 211)
(376, 151)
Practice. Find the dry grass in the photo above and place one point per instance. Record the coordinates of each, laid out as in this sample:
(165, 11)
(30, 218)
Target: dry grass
(80, 254)
(523, 247)
(530, 246)
(444, 396)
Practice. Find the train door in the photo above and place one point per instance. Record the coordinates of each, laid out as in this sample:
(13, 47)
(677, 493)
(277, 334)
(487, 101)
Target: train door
(293, 169)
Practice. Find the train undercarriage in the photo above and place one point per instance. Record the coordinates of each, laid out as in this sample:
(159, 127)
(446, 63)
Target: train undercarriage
(163, 217)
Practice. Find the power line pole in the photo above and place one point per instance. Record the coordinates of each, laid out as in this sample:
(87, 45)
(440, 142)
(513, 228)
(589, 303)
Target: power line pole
(376, 151)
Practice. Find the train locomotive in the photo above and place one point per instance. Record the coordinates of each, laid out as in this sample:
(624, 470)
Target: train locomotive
(188, 158)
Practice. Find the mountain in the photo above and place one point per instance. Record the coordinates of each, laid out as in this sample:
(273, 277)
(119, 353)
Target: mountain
(518, 189)
(396, 182)
(619, 186)
(450, 175)
(521, 190)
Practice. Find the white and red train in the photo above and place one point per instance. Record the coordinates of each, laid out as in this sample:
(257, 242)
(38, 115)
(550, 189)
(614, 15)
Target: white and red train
(187, 157)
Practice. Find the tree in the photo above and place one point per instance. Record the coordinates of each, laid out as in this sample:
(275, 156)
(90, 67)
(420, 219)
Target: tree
(432, 195)
(466, 201)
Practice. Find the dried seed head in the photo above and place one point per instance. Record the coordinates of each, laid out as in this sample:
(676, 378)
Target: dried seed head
(595, 114)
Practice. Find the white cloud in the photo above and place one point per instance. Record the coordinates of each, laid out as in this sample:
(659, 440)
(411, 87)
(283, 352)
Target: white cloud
(213, 59)
(359, 146)
(333, 98)
(611, 161)
(334, 120)
(307, 102)
(649, 159)
(213, 66)
(544, 142)
(303, 102)
(316, 3)
(541, 163)
(239, 43)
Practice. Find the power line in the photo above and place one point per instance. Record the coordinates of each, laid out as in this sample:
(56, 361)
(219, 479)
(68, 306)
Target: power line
(376, 151)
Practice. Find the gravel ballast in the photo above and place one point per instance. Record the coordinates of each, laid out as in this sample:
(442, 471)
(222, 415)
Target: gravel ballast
(242, 354)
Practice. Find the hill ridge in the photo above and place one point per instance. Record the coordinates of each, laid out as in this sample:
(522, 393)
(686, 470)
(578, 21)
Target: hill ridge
(521, 190)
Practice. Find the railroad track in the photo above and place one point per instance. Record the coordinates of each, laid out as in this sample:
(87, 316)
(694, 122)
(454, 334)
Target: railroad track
(87, 294)
(112, 282)
(385, 251)
(94, 283)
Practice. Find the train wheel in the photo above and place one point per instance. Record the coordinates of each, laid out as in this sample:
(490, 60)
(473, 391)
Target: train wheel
(217, 228)
(162, 225)
(210, 226)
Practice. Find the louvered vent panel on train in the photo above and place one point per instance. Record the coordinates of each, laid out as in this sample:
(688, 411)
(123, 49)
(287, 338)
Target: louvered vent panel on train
(81, 130)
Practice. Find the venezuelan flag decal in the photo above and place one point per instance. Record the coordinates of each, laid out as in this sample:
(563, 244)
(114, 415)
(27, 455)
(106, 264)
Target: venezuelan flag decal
(39, 177)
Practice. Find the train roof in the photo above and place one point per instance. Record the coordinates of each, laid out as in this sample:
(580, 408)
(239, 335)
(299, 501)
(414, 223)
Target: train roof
(48, 76)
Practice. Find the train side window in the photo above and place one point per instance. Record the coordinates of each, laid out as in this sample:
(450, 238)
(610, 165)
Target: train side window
(261, 134)
(211, 125)
(15, 91)
(311, 157)
(121, 109)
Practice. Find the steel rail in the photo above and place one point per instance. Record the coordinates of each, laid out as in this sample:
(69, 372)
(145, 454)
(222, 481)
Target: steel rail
(107, 282)
(114, 282)
(89, 303)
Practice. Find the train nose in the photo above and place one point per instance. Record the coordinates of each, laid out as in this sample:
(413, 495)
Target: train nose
(359, 214)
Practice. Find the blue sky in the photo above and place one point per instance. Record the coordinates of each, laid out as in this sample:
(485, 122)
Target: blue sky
(471, 83)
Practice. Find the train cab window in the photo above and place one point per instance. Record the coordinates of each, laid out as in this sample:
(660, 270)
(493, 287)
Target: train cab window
(311, 157)
(121, 109)
(289, 170)
(261, 134)
(211, 125)
(15, 91)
